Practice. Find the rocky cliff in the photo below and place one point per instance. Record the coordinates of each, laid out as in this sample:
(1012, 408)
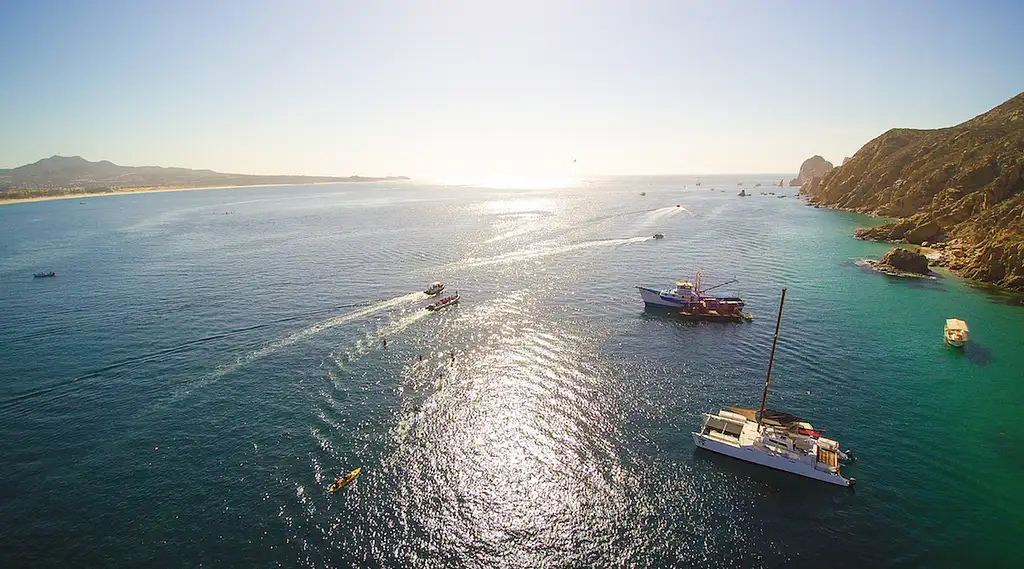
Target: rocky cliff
(958, 189)
(813, 167)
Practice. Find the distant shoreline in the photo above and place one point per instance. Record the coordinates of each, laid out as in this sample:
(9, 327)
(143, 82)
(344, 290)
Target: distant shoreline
(148, 190)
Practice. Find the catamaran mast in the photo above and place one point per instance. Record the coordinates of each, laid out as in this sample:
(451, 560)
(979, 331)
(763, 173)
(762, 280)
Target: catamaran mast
(771, 360)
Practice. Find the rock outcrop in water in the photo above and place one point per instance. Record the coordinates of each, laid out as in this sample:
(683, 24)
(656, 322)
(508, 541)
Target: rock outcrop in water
(813, 168)
(960, 189)
(906, 261)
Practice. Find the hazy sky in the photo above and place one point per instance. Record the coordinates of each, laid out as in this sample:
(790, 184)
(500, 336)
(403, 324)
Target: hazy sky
(440, 89)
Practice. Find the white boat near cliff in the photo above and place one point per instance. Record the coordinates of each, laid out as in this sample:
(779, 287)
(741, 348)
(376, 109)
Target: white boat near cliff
(777, 440)
(955, 332)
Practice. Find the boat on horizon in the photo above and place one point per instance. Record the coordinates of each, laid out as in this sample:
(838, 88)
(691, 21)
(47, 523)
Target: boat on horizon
(434, 288)
(774, 439)
(44, 275)
(659, 235)
(955, 332)
(444, 302)
(688, 295)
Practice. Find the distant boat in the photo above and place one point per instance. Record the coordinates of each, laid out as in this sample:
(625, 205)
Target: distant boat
(434, 288)
(659, 235)
(44, 275)
(955, 332)
(774, 439)
(698, 182)
(743, 193)
(643, 193)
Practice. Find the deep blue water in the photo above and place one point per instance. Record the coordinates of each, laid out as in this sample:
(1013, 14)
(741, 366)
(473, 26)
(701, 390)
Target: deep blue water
(205, 363)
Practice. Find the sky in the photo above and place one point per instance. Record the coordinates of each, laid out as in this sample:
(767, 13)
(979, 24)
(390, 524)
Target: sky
(449, 89)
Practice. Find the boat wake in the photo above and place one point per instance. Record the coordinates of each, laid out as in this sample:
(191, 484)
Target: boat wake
(307, 332)
(373, 340)
(667, 212)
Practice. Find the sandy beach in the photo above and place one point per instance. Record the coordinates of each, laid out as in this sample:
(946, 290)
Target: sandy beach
(143, 190)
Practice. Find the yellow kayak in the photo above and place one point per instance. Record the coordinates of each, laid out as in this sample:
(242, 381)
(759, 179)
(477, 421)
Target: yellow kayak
(344, 481)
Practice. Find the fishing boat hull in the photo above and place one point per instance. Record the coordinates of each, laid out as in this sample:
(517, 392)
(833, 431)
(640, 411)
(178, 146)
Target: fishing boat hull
(748, 454)
(696, 316)
(653, 297)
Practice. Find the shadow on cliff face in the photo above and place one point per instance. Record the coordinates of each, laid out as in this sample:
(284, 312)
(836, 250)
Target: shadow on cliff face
(998, 295)
(923, 284)
(978, 354)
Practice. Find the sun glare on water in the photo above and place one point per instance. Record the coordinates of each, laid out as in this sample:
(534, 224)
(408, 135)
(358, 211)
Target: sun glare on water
(513, 182)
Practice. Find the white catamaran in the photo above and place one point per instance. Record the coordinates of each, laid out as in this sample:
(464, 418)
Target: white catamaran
(773, 439)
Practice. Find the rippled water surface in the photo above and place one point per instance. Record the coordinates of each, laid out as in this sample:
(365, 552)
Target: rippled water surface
(206, 363)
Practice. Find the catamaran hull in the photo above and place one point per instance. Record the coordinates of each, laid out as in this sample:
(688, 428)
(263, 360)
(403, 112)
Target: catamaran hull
(776, 462)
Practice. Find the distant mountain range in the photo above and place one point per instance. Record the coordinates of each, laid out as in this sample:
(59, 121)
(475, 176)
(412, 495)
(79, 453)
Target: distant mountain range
(73, 174)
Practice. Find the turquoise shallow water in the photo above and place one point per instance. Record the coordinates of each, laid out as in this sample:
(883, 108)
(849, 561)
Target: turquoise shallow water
(205, 363)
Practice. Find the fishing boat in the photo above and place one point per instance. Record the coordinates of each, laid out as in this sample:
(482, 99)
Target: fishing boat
(743, 193)
(774, 439)
(955, 332)
(659, 235)
(44, 275)
(344, 480)
(643, 193)
(689, 295)
(434, 288)
(444, 302)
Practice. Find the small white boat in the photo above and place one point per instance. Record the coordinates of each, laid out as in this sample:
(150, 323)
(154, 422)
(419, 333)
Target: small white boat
(773, 439)
(434, 288)
(955, 332)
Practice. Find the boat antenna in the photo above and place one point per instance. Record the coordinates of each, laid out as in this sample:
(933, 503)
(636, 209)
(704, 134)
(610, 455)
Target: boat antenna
(720, 285)
(771, 360)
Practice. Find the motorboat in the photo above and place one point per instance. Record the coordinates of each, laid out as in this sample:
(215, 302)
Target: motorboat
(434, 288)
(444, 302)
(44, 275)
(659, 235)
(955, 332)
(743, 193)
(774, 439)
(643, 193)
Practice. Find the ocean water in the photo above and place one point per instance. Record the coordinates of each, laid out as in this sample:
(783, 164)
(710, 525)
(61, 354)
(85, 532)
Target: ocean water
(205, 363)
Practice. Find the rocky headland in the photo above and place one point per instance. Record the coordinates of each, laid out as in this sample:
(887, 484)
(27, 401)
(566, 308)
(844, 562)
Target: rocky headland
(959, 190)
(813, 168)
